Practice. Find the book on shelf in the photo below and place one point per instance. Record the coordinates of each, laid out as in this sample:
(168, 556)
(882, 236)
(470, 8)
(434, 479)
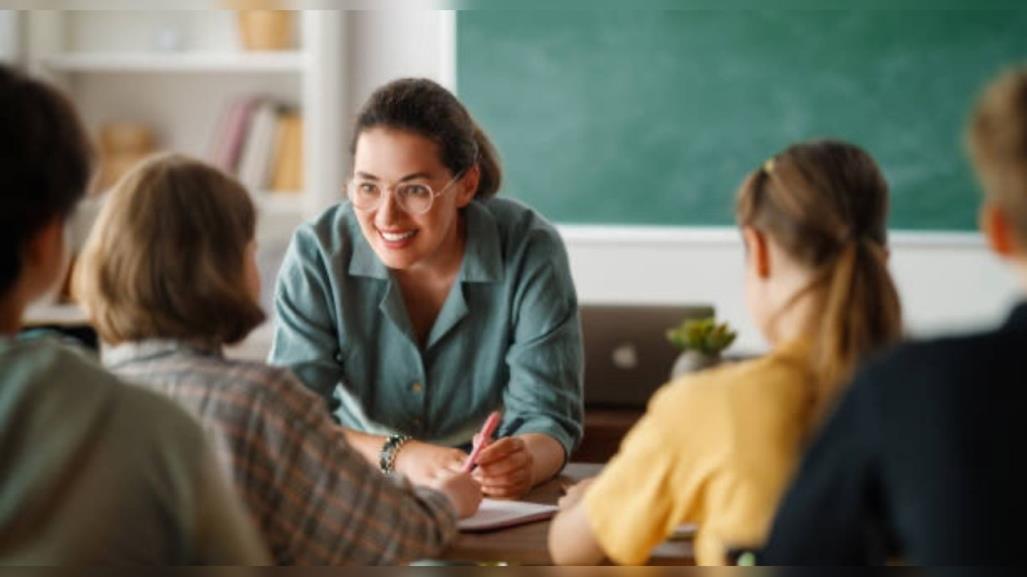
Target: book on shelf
(260, 141)
(288, 170)
(231, 134)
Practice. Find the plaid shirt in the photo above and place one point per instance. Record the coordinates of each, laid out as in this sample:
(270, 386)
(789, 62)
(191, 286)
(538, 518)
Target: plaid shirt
(316, 500)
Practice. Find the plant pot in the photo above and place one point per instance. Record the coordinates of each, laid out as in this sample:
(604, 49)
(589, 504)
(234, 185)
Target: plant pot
(692, 362)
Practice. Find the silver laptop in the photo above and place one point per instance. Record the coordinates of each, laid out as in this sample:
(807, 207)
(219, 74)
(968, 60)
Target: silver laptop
(627, 355)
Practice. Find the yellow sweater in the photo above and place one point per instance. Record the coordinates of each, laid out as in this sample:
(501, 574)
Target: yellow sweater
(716, 449)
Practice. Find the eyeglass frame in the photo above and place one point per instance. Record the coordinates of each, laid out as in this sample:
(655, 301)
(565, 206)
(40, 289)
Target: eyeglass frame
(387, 188)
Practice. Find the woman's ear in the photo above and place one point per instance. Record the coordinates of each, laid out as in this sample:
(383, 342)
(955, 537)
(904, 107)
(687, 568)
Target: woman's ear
(758, 250)
(467, 186)
(997, 229)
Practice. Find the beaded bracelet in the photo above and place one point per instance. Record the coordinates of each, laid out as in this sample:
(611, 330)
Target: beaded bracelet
(387, 457)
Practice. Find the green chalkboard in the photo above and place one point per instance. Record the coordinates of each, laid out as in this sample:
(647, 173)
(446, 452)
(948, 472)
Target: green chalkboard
(650, 117)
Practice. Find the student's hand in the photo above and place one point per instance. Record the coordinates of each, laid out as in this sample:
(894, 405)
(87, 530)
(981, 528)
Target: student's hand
(505, 468)
(574, 493)
(424, 463)
(463, 491)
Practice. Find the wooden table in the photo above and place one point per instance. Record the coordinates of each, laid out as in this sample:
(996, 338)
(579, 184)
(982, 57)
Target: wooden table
(527, 545)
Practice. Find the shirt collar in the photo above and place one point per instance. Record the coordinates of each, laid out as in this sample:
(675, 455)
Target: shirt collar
(482, 254)
(132, 351)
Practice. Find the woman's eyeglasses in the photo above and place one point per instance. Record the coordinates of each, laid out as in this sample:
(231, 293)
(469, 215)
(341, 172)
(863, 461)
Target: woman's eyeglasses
(412, 197)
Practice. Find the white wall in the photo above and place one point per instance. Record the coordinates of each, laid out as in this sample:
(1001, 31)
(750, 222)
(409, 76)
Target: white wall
(385, 45)
(946, 281)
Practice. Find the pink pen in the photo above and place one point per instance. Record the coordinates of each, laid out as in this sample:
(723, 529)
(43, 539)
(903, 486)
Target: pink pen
(482, 439)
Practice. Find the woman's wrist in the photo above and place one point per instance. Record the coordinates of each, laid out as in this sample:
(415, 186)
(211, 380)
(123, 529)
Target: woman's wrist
(390, 451)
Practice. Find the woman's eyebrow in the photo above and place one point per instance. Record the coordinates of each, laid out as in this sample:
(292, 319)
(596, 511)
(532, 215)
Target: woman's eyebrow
(415, 176)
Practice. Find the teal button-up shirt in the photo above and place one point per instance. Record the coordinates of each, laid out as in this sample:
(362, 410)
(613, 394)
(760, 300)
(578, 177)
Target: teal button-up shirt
(508, 335)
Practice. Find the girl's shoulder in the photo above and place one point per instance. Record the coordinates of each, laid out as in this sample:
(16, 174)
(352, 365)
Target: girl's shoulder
(756, 380)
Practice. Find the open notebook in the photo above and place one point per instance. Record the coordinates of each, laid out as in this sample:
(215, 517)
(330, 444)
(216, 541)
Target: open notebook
(495, 514)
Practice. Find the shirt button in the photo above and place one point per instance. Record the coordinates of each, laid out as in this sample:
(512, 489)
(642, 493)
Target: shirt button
(417, 388)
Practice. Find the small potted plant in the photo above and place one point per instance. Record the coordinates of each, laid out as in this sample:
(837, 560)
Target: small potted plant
(701, 341)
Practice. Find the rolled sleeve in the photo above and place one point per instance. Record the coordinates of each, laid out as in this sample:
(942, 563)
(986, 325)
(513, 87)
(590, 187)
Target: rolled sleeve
(544, 394)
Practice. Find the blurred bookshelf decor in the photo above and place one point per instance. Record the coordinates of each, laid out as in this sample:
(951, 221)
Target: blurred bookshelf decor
(254, 90)
(260, 141)
(260, 95)
(266, 29)
(122, 146)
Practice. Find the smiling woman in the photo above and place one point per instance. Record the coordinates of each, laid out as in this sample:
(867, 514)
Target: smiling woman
(424, 303)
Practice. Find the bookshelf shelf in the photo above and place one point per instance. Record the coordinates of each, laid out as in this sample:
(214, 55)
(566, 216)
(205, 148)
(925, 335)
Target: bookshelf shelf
(280, 203)
(164, 62)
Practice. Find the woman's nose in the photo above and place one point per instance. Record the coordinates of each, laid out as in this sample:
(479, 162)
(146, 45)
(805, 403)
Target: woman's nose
(388, 211)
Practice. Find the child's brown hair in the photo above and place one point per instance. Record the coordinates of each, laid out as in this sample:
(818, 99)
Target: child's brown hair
(826, 204)
(166, 257)
(997, 138)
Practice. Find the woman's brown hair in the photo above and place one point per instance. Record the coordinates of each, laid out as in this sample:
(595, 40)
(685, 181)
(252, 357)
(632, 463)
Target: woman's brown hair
(826, 204)
(166, 257)
(422, 107)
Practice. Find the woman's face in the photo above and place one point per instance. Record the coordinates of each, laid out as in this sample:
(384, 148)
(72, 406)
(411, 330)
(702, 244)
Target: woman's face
(403, 240)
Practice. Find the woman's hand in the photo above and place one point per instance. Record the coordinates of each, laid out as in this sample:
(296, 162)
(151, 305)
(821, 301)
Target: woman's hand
(505, 468)
(424, 463)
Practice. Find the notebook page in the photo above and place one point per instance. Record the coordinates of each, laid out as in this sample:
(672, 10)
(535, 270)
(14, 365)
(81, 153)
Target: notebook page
(497, 514)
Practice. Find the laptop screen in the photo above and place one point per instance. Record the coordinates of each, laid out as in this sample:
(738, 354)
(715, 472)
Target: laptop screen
(627, 354)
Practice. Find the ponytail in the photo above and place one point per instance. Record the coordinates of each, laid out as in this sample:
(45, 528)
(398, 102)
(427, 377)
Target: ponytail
(826, 204)
(860, 310)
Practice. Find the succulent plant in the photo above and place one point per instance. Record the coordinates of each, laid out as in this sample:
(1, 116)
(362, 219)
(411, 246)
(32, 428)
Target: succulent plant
(702, 335)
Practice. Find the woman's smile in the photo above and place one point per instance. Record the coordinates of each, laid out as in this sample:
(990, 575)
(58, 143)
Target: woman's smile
(396, 239)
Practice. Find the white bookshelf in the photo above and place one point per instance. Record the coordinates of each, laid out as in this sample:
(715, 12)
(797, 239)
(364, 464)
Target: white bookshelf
(179, 71)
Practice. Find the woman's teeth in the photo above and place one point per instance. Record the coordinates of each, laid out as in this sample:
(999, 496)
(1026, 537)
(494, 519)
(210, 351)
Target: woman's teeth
(396, 236)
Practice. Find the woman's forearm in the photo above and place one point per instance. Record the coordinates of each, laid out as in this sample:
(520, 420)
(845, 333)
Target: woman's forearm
(547, 455)
(368, 445)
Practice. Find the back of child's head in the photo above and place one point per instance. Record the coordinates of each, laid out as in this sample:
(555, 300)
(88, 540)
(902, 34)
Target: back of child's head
(997, 138)
(825, 203)
(45, 163)
(166, 257)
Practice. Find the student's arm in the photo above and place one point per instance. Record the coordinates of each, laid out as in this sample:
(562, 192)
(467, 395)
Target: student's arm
(542, 401)
(327, 505)
(831, 514)
(305, 339)
(571, 539)
(655, 482)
